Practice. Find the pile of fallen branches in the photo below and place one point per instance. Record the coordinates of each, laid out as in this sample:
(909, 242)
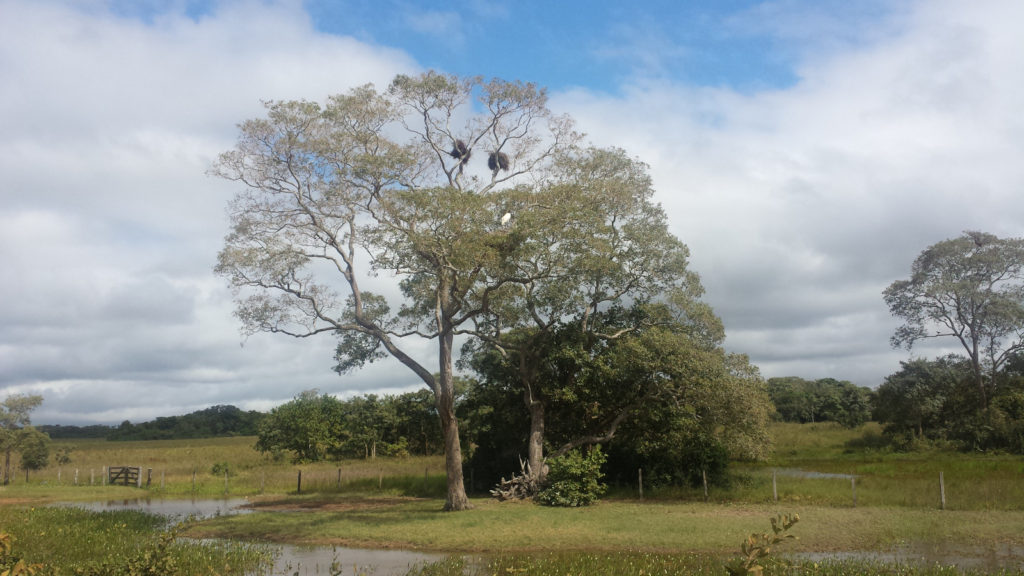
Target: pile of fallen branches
(522, 486)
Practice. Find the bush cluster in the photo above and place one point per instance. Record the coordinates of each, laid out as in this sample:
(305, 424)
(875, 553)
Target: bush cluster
(574, 479)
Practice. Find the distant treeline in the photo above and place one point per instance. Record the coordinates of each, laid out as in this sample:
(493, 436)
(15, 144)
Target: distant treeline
(208, 423)
(822, 400)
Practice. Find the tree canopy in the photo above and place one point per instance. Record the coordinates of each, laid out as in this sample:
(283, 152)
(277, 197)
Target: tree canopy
(971, 289)
(643, 395)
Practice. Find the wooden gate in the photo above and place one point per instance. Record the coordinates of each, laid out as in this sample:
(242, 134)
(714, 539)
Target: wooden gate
(124, 475)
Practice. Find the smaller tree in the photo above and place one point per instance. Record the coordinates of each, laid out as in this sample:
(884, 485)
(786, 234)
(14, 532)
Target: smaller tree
(63, 455)
(309, 426)
(14, 417)
(34, 447)
(914, 401)
(971, 289)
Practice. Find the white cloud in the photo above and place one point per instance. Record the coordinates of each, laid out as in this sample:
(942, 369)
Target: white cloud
(109, 226)
(801, 204)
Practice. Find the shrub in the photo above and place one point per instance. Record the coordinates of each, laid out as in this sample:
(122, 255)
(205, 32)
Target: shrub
(221, 468)
(574, 479)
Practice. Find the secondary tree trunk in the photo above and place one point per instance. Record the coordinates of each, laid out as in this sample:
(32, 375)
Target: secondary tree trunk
(535, 407)
(535, 445)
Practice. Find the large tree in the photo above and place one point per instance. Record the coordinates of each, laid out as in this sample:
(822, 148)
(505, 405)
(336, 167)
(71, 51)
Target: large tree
(15, 420)
(970, 288)
(385, 185)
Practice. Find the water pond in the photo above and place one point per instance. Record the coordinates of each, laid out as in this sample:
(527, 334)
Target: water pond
(290, 560)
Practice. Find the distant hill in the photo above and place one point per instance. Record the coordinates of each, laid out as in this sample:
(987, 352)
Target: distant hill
(208, 423)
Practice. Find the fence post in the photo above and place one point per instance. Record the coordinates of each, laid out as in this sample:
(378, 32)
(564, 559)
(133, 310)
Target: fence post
(105, 472)
(380, 478)
(704, 476)
(263, 481)
(193, 480)
(162, 478)
(853, 488)
(942, 492)
(149, 477)
(138, 479)
(640, 481)
(92, 476)
(225, 481)
(58, 475)
(339, 478)
(298, 488)
(76, 476)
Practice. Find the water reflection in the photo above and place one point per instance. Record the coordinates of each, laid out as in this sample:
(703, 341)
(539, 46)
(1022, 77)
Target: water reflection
(992, 558)
(172, 509)
(303, 560)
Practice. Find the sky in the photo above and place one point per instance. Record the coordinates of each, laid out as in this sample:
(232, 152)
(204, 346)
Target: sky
(805, 150)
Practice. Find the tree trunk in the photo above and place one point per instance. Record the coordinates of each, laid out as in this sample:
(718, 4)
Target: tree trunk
(979, 379)
(456, 498)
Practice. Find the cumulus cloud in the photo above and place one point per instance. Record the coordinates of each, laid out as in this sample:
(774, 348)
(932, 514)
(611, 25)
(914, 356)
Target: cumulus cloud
(109, 226)
(801, 204)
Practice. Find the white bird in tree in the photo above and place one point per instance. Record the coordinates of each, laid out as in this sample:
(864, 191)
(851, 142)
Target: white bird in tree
(506, 218)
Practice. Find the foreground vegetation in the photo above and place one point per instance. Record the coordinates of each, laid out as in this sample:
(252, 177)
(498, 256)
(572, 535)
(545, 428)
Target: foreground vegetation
(397, 503)
(63, 540)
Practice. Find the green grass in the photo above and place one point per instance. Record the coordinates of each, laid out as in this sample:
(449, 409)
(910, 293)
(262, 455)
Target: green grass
(884, 478)
(184, 468)
(653, 564)
(397, 502)
(608, 526)
(75, 541)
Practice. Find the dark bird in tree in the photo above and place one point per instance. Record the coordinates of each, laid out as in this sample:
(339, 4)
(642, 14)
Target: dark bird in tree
(497, 161)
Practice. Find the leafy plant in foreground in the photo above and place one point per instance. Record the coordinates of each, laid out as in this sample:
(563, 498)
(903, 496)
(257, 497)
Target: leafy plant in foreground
(759, 546)
(9, 563)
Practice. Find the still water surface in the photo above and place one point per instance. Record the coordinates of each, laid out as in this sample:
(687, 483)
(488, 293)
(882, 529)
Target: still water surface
(291, 560)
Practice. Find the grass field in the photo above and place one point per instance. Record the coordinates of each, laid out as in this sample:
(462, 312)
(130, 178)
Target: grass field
(397, 502)
(180, 468)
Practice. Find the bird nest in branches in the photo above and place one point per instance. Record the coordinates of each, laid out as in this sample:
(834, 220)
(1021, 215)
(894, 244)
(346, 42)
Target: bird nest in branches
(460, 151)
(497, 161)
